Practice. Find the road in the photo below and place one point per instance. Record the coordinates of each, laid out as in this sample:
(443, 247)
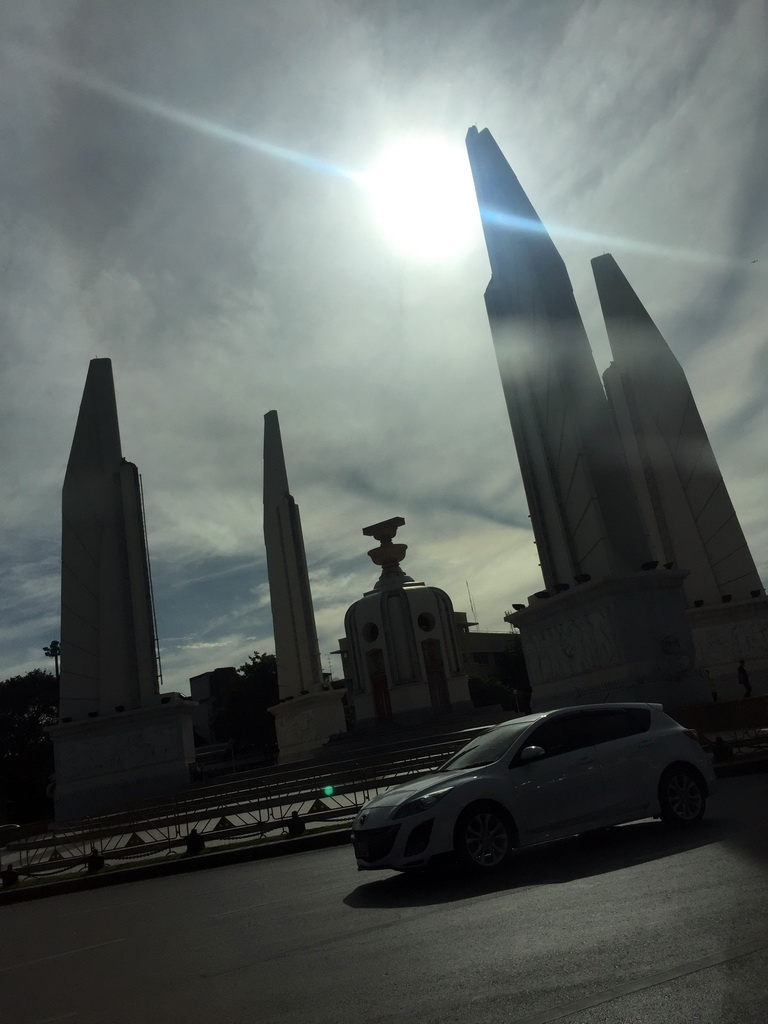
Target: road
(639, 924)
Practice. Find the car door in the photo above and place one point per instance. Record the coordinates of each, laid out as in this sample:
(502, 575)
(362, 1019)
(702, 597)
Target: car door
(625, 750)
(560, 792)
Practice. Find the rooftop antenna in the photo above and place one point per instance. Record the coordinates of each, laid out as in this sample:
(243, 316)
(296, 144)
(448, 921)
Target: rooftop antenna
(472, 604)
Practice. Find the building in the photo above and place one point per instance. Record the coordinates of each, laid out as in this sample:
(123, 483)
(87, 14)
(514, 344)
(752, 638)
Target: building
(209, 690)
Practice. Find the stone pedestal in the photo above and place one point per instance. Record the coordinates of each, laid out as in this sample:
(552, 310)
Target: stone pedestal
(626, 638)
(113, 762)
(303, 724)
(726, 633)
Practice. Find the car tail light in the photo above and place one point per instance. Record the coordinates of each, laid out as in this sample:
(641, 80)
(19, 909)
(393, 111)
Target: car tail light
(692, 733)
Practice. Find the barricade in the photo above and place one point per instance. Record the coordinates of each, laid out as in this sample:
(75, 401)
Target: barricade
(252, 805)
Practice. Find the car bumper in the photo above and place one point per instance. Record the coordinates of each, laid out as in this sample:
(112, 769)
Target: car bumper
(399, 846)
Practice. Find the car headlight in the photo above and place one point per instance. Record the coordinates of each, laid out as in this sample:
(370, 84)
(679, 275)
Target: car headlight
(421, 803)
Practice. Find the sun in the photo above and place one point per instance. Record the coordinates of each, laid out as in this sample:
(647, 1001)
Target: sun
(422, 197)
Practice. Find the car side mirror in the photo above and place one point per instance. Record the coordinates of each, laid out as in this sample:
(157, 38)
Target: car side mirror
(531, 753)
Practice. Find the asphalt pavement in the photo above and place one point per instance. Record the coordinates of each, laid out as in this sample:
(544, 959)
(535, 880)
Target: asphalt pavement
(641, 923)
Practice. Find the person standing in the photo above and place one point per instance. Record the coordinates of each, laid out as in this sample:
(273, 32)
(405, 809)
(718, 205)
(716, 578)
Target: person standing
(744, 679)
(712, 684)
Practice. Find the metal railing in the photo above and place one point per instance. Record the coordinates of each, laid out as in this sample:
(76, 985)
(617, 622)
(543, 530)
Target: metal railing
(243, 808)
(251, 805)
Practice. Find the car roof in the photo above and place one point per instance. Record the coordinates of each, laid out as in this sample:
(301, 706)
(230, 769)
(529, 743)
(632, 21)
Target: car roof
(613, 706)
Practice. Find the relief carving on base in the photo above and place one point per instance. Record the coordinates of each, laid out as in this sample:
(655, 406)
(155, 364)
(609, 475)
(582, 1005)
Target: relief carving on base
(298, 728)
(96, 755)
(675, 661)
(569, 648)
(729, 641)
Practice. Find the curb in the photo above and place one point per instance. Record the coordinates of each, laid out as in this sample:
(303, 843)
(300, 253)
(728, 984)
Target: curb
(743, 766)
(178, 866)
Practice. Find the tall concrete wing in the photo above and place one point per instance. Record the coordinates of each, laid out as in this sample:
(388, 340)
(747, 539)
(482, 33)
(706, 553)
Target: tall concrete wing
(571, 460)
(675, 474)
(107, 623)
(293, 619)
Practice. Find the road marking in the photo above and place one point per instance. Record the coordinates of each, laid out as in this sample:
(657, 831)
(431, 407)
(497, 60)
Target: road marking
(55, 956)
(731, 953)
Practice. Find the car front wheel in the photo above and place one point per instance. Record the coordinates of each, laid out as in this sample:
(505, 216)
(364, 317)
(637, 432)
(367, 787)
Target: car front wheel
(682, 796)
(484, 838)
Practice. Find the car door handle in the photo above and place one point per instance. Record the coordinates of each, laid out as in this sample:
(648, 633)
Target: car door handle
(587, 760)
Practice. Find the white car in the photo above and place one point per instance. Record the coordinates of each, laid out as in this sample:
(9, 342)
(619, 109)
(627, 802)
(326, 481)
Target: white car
(535, 779)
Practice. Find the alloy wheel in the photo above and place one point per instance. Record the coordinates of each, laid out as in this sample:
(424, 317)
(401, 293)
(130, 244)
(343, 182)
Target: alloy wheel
(684, 796)
(486, 839)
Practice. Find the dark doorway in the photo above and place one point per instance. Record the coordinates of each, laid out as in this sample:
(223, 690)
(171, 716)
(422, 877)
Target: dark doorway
(435, 669)
(377, 674)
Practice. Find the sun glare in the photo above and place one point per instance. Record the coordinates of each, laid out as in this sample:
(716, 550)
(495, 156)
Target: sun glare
(423, 198)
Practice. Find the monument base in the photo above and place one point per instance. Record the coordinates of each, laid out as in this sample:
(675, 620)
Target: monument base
(412, 702)
(304, 724)
(621, 639)
(113, 762)
(726, 633)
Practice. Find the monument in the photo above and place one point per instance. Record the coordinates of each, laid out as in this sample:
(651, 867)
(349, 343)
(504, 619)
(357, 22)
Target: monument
(678, 486)
(307, 713)
(677, 483)
(609, 623)
(400, 648)
(118, 741)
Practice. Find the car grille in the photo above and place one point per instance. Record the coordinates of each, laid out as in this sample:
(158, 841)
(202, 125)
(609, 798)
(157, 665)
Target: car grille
(372, 844)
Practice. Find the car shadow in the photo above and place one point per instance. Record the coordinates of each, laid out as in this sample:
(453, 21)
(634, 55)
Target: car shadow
(593, 853)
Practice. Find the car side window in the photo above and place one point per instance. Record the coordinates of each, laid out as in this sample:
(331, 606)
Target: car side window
(615, 723)
(560, 736)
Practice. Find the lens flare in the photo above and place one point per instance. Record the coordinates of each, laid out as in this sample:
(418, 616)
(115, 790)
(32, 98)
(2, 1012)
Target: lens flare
(421, 190)
(422, 197)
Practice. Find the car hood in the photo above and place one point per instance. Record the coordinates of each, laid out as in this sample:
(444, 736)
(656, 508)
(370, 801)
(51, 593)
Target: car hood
(420, 787)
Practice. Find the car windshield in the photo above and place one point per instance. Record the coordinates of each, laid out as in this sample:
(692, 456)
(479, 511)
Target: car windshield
(486, 748)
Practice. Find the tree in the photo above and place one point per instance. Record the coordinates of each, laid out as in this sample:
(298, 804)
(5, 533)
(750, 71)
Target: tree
(261, 669)
(53, 650)
(28, 704)
(241, 715)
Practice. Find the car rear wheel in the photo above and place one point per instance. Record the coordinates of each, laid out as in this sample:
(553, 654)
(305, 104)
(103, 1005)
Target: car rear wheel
(682, 796)
(484, 838)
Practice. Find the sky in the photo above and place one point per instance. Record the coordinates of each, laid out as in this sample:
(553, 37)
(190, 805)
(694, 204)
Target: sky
(199, 192)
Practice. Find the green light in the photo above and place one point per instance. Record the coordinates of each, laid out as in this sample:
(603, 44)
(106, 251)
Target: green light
(328, 791)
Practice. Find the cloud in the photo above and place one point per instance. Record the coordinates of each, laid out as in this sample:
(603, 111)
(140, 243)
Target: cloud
(224, 282)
